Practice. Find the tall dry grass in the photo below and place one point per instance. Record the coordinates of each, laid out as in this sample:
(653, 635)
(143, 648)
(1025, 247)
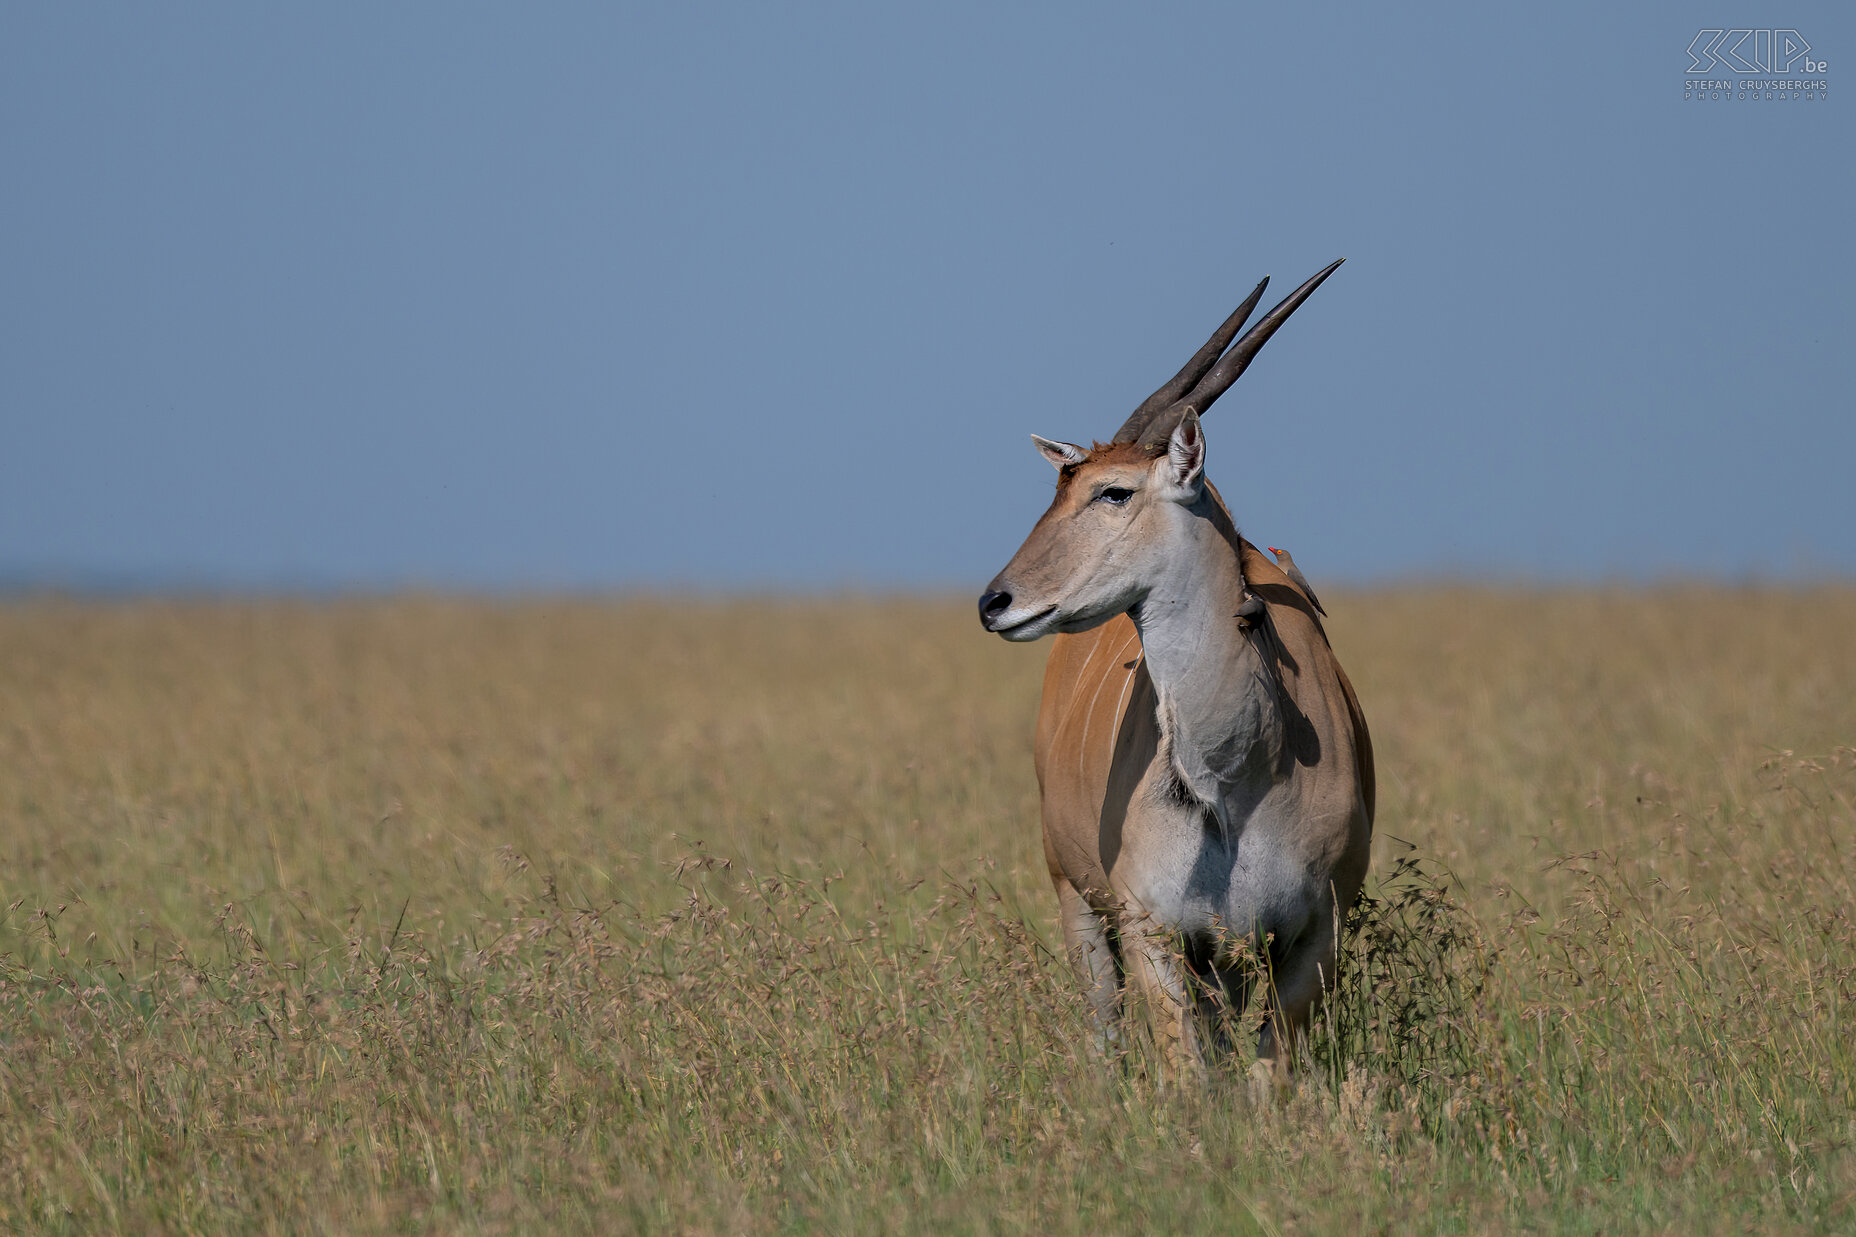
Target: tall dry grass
(730, 917)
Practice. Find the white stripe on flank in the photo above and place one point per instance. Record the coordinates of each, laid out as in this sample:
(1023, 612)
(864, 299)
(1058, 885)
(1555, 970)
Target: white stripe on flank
(1082, 748)
(1082, 745)
(1128, 685)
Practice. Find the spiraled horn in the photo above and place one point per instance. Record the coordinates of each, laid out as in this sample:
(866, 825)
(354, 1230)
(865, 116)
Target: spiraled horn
(1226, 371)
(1193, 370)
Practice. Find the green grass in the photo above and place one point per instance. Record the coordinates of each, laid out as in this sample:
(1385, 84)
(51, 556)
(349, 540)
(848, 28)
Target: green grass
(425, 915)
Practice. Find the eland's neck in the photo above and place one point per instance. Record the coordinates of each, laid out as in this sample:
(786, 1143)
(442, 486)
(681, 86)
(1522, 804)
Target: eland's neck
(1218, 711)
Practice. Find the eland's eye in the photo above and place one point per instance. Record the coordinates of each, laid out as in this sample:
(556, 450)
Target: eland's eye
(1115, 495)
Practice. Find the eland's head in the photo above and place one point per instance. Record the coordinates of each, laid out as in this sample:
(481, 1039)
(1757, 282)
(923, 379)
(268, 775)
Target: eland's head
(1125, 510)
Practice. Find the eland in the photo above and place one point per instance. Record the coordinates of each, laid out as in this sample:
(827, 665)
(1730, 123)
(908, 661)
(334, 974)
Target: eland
(1205, 769)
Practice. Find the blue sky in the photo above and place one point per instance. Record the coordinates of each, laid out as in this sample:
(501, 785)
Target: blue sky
(564, 296)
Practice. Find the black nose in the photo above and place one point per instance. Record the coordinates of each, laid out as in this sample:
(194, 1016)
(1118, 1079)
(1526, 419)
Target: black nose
(992, 605)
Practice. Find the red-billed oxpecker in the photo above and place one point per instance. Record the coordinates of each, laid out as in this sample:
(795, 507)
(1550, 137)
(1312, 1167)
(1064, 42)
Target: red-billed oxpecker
(1286, 561)
(1206, 773)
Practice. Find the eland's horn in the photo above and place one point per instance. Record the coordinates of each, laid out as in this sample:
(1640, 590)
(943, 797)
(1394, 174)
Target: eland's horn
(1215, 382)
(1193, 370)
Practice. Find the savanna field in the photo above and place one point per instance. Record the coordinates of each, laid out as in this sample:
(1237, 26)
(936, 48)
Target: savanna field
(731, 917)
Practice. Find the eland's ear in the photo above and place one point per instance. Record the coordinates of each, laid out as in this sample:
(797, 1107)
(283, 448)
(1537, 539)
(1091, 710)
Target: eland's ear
(1184, 462)
(1060, 454)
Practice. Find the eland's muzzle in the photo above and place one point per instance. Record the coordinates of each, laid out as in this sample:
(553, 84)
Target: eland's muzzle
(993, 604)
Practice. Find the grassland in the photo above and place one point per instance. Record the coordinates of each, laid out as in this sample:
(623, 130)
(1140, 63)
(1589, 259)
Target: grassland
(710, 917)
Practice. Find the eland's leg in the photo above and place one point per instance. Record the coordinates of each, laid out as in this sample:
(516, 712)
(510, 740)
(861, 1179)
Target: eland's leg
(1300, 978)
(1224, 990)
(1158, 973)
(1086, 935)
